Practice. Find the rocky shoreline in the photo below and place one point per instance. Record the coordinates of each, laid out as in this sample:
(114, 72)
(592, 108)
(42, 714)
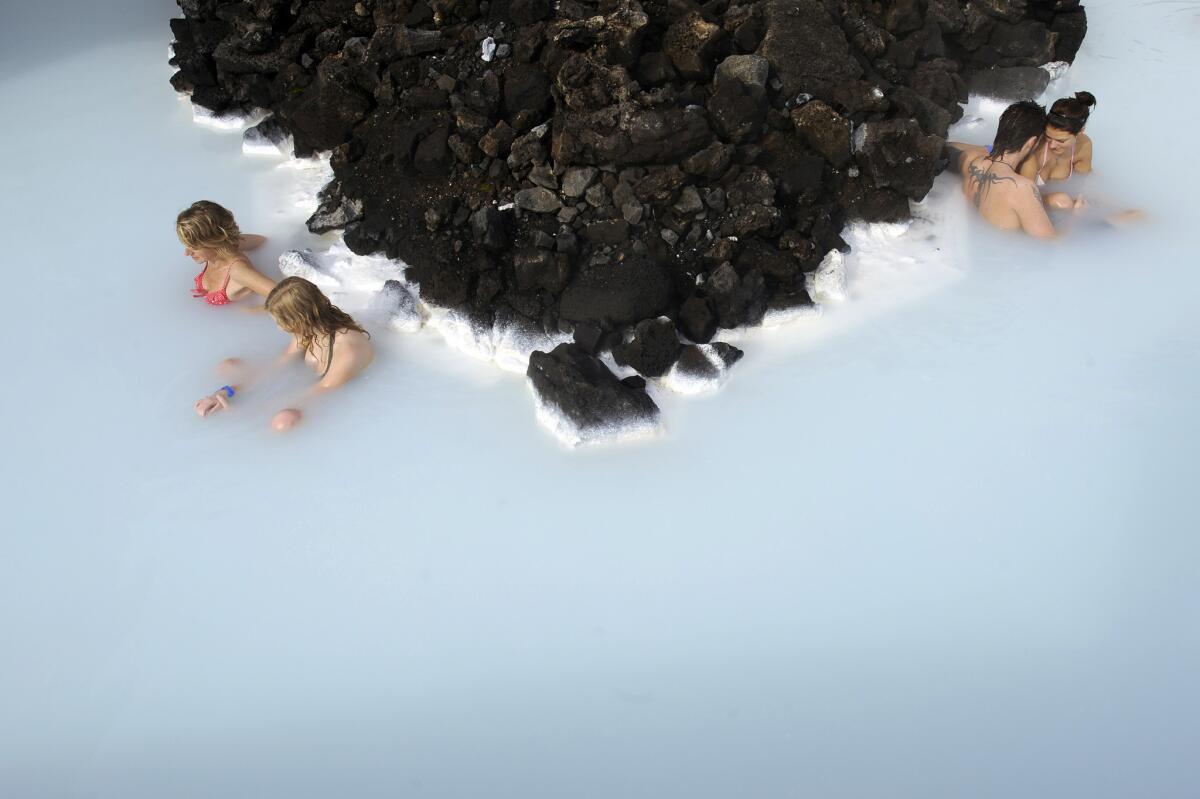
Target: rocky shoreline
(626, 177)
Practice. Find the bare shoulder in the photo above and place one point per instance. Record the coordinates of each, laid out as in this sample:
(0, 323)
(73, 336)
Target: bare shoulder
(353, 343)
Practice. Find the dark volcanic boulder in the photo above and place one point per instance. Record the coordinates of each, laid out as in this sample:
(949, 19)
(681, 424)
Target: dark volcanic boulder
(582, 400)
(650, 347)
(824, 130)
(322, 115)
(1010, 83)
(691, 42)
(619, 292)
(806, 49)
(897, 154)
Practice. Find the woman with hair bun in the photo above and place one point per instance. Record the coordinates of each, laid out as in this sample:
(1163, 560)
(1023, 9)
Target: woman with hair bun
(1066, 150)
(210, 236)
(329, 340)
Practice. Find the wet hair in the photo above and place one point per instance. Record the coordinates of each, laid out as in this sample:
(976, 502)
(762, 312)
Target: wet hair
(301, 309)
(206, 224)
(1071, 113)
(1018, 124)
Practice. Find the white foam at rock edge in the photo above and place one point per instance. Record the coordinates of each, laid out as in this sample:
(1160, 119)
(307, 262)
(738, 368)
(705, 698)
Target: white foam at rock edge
(684, 380)
(1057, 69)
(508, 346)
(828, 283)
(226, 122)
(572, 435)
(256, 144)
(310, 176)
(357, 278)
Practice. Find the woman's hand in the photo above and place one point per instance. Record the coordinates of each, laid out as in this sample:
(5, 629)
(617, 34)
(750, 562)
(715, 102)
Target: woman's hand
(1080, 203)
(214, 402)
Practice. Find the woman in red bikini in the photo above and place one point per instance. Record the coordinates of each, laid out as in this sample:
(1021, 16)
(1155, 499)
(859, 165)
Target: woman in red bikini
(210, 236)
(331, 342)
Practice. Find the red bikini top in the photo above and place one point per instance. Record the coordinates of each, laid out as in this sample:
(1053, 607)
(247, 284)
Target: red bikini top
(218, 297)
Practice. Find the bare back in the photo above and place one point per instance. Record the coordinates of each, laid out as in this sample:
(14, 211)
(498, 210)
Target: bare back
(1005, 198)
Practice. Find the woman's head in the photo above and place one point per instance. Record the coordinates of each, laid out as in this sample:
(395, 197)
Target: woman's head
(1020, 126)
(1066, 120)
(300, 308)
(207, 230)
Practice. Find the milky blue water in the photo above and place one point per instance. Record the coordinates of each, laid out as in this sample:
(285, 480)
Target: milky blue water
(938, 543)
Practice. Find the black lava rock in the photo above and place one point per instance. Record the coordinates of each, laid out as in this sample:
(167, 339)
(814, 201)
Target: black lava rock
(651, 347)
(583, 392)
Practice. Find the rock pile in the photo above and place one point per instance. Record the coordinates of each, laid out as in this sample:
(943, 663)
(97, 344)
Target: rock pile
(623, 171)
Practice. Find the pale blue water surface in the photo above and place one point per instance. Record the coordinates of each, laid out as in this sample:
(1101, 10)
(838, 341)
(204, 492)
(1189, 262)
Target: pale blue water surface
(938, 547)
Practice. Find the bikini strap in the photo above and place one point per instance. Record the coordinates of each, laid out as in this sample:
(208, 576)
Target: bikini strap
(329, 357)
(228, 274)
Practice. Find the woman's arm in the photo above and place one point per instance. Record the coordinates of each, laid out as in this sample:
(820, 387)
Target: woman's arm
(219, 399)
(350, 358)
(250, 241)
(1083, 155)
(251, 278)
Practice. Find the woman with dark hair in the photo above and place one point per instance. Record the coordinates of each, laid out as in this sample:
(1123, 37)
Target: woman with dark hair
(330, 341)
(1065, 150)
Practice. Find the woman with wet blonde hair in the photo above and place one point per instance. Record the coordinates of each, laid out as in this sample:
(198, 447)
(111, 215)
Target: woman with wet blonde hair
(210, 236)
(329, 340)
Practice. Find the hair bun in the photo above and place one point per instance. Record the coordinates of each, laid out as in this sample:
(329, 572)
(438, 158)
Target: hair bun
(1087, 98)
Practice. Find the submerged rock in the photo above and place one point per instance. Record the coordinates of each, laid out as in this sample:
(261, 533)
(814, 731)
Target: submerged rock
(581, 401)
(701, 368)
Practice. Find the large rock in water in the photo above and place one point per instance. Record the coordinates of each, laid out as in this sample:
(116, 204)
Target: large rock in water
(581, 401)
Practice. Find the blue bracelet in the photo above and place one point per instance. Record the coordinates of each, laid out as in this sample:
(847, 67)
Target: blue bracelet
(229, 392)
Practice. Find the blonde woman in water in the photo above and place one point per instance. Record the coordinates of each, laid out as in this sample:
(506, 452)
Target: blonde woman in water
(328, 339)
(210, 236)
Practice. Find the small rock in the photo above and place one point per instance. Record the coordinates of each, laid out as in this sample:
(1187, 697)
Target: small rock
(651, 347)
(607, 231)
(542, 175)
(689, 201)
(697, 320)
(538, 200)
(596, 195)
(576, 180)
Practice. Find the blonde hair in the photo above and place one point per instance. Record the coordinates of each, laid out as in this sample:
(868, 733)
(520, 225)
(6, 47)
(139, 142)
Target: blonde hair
(206, 224)
(301, 309)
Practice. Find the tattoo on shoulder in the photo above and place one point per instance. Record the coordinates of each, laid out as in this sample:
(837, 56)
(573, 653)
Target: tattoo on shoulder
(984, 180)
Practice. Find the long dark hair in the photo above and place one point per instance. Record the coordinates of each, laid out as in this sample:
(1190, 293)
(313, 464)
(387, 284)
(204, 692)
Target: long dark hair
(1071, 113)
(1018, 124)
